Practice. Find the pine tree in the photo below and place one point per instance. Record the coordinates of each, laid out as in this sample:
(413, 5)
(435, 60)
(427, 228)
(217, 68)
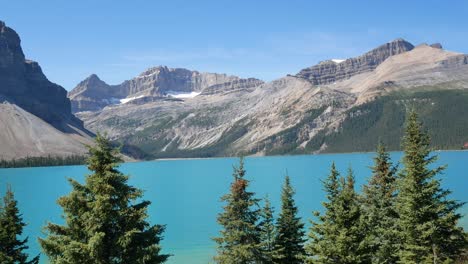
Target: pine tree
(339, 236)
(379, 215)
(103, 222)
(11, 226)
(240, 237)
(267, 233)
(427, 217)
(323, 233)
(290, 230)
(350, 241)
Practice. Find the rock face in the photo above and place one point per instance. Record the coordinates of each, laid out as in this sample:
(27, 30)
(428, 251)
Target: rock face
(26, 89)
(92, 94)
(304, 113)
(23, 82)
(436, 45)
(328, 72)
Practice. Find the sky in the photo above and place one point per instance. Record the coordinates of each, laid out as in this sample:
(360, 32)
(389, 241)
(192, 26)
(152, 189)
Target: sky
(118, 39)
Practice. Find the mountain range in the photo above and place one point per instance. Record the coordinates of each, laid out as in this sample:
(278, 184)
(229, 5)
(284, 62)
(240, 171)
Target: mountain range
(338, 105)
(334, 106)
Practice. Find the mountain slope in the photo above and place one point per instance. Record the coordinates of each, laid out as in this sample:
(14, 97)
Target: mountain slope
(310, 112)
(35, 113)
(24, 134)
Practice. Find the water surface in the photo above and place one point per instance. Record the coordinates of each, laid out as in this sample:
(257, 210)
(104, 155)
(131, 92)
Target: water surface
(185, 194)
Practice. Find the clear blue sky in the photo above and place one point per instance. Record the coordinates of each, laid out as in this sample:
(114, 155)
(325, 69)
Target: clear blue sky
(265, 39)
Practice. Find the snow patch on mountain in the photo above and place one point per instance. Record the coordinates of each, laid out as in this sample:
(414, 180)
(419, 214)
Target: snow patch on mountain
(182, 95)
(337, 60)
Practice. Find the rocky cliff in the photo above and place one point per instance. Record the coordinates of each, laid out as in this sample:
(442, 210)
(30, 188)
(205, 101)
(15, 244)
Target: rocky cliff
(27, 97)
(330, 71)
(23, 82)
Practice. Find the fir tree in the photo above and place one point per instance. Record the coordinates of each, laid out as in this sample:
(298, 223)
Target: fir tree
(379, 216)
(427, 217)
(240, 237)
(338, 237)
(11, 227)
(290, 230)
(103, 222)
(267, 233)
(323, 232)
(350, 241)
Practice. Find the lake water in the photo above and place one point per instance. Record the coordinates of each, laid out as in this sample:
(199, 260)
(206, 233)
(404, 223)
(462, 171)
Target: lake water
(185, 194)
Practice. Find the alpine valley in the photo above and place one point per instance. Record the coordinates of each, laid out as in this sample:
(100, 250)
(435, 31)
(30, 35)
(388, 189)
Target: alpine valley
(334, 106)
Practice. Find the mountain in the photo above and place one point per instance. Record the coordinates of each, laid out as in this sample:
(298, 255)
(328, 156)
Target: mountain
(35, 113)
(161, 82)
(334, 106)
(332, 71)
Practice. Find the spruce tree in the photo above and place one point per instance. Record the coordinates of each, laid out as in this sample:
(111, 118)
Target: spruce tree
(267, 233)
(290, 230)
(350, 241)
(379, 215)
(428, 218)
(338, 236)
(11, 227)
(240, 235)
(104, 223)
(323, 232)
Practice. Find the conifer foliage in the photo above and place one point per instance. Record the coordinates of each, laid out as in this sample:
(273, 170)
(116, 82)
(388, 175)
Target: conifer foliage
(104, 223)
(290, 230)
(11, 227)
(337, 236)
(267, 232)
(239, 240)
(323, 234)
(379, 215)
(427, 217)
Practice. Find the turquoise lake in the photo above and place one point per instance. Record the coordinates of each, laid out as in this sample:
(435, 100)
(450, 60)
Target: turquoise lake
(185, 194)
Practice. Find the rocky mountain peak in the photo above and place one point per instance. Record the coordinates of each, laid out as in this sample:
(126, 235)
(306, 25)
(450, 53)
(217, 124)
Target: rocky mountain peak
(328, 72)
(24, 84)
(436, 46)
(93, 77)
(11, 54)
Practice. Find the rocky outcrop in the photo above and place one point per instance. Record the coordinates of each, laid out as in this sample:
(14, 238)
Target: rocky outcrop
(240, 84)
(161, 80)
(436, 45)
(35, 114)
(23, 82)
(328, 72)
(92, 94)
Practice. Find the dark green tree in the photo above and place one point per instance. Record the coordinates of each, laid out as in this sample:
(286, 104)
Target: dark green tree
(339, 236)
(428, 218)
(104, 223)
(323, 232)
(267, 233)
(11, 227)
(240, 235)
(379, 216)
(350, 244)
(289, 241)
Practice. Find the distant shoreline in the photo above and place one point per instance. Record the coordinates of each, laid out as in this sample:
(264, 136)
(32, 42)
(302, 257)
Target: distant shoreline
(290, 155)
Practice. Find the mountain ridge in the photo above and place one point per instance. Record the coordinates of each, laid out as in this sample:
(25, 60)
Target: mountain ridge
(36, 113)
(93, 94)
(287, 115)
